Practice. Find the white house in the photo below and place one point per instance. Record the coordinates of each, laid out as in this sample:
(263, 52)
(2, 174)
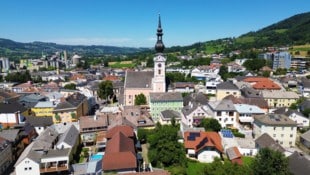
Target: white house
(245, 113)
(193, 113)
(203, 146)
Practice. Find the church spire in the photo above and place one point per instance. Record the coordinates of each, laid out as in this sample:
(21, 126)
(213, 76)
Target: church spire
(159, 46)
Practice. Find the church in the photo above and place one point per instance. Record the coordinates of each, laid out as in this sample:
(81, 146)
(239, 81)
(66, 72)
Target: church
(147, 82)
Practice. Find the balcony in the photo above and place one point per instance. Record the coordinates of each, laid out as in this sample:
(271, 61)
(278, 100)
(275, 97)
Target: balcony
(54, 167)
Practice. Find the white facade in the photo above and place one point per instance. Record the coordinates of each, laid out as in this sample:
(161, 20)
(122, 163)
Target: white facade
(211, 87)
(301, 121)
(14, 118)
(226, 118)
(27, 167)
(4, 64)
(284, 135)
(195, 116)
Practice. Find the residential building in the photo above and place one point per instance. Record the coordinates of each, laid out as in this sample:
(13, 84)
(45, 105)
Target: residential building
(277, 99)
(39, 123)
(6, 96)
(160, 101)
(166, 117)
(262, 83)
(282, 129)
(281, 60)
(120, 154)
(4, 64)
(182, 87)
(246, 112)
(137, 117)
(211, 86)
(266, 141)
(193, 113)
(298, 164)
(301, 120)
(234, 155)
(150, 81)
(44, 109)
(20, 88)
(29, 101)
(93, 167)
(71, 109)
(305, 139)
(15, 138)
(5, 154)
(225, 112)
(203, 146)
(259, 102)
(227, 88)
(12, 113)
(305, 88)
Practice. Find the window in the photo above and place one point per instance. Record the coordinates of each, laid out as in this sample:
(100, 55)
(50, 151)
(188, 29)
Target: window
(281, 143)
(231, 113)
(292, 128)
(291, 135)
(274, 128)
(129, 96)
(26, 169)
(235, 93)
(282, 128)
(290, 143)
(219, 113)
(232, 119)
(220, 119)
(30, 168)
(274, 135)
(227, 92)
(282, 135)
(159, 71)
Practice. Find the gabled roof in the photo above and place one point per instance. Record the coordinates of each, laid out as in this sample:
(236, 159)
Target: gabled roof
(199, 98)
(28, 153)
(139, 79)
(39, 121)
(46, 139)
(266, 141)
(306, 136)
(274, 120)
(45, 104)
(234, 155)
(227, 85)
(69, 137)
(9, 134)
(248, 109)
(11, 107)
(32, 98)
(126, 130)
(298, 164)
(187, 110)
(222, 105)
(200, 140)
(260, 102)
(166, 97)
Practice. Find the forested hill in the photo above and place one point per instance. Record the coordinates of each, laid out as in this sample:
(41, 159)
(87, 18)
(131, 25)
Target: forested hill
(9, 48)
(291, 31)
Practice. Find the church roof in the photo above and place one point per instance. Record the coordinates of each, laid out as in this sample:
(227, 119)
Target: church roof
(139, 79)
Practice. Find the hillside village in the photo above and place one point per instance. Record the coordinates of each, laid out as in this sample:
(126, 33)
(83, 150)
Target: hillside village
(71, 120)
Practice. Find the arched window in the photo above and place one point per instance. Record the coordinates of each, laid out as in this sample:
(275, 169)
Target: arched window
(159, 71)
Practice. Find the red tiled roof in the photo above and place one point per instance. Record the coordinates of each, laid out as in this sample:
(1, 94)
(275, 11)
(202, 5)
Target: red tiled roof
(126, 130)
(120, 143)
(256, 79)
(262, 83)
(111, 78)
(210, 139)
(118, 161)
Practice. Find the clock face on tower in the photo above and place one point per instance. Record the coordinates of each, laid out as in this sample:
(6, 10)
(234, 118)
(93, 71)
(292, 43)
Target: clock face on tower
(159, 58)
(158, 65)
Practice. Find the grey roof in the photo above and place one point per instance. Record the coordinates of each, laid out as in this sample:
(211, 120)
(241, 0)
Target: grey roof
(56, 153)
(227, 85)
(250, 93)
(29, 153)
(46, 139)
(32, 98)
(9, 134)
(305, 104)
(306, 136)
(298, 164)
(70, 136)
(199, 98)
(11, 107)
(54, 95)
(266, 141)
(231, 153)
(139, 79)
(223, 105)
(274, 120)
(39, 121)
(71, 101)
(169, 114)
(286, 111)
(64, 105)
(45, 104)
(87, 168)
(166, 97)
(186, 110)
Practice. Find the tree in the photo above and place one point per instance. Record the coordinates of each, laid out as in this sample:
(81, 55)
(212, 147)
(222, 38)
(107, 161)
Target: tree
(140, 99)
(223, 72)
(217, 167)
(210, 124)
(268, 161)
(71, 86)
(105, 90)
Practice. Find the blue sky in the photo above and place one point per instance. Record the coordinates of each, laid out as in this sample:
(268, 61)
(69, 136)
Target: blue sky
(133, 22)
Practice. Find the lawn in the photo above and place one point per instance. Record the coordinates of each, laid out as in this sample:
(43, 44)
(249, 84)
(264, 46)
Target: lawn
(247, 161)
(195, 168)
(245, 39)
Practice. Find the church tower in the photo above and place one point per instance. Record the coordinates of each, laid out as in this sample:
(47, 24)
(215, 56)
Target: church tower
(159, 80)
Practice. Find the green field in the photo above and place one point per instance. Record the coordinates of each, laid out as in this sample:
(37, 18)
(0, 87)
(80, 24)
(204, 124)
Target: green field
(245, 39)
(195, 168)
(247, 161)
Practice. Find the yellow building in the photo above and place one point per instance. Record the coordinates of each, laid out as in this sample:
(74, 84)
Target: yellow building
(277, 99)
(227, 88)
(44, 109)
(71, 109)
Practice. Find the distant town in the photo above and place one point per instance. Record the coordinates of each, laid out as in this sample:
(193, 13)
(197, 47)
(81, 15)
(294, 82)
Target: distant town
(159, 114)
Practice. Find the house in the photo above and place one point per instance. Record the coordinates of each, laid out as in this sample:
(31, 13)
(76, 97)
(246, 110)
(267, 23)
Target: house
(225, 112)
(39, 123)
(71, 109)
(262, 83)
(12, 113)
(298, 164)
(48, 153)
(234, 67)
(211, 85)
(51, 87)
(193, 113)
(22, 87)
(305, 88)
(259, 102)
(8, 96)
(245, 113)
(280, 127)
(120, 154)
(5, 154)
(295, 115)
(91, 125)
(305, 139)
(160, 101)
(29, 101)
(166, 117)
(234, 155)
(227, 88)
(137, 117)
(203, 146)
(182, 87)
(44, 109)
(199, 98)
(277, 99)
(266, 141)
(15, 138)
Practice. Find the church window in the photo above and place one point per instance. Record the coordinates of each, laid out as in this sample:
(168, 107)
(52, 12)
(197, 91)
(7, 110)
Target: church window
(159, 71)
